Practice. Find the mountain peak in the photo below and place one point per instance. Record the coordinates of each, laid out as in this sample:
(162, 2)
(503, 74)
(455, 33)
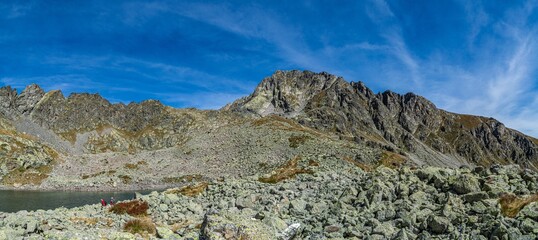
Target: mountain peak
(409, 122)
(286, 92)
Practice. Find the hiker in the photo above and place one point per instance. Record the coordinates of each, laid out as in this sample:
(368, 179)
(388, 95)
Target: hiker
(103, 203)
(112, 201)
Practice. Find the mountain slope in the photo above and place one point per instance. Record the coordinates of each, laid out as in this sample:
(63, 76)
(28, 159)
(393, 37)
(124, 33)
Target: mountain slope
(106, 146)
(85, 142)
(409, 123)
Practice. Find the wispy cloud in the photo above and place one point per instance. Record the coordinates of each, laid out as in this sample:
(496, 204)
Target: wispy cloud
(16, 10)
(151, 70)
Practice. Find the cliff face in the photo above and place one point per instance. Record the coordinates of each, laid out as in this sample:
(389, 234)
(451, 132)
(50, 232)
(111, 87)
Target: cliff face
(409, 123)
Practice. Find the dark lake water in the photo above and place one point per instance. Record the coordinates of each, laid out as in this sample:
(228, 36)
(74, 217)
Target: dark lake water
(13, 201)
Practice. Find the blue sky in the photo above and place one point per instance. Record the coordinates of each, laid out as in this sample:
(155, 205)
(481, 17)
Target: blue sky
(475, 57)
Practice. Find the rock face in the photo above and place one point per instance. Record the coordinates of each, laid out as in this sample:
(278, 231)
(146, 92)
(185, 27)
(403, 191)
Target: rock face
(407, 122)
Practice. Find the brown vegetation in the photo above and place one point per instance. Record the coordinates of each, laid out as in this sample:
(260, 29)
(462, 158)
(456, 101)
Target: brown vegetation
(392, 160)
(296, 141)
(313, 163)
(133, 208)
(141, 226)
(469, 121)
(282, 123)
(91, 221)
(287, 171)
(185, 178)
(189, 190)
(125, 179)
(131, 166)
(110, 172)
(34, 176)
(363, 166)
(511, 204)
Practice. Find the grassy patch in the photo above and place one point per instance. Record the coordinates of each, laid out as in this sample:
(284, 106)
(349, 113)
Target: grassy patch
(363, 166)
(87, 221)
(70, 136)
(296, 141)
(141, 226)
(131, 166)
(110, 172)
(469, 121)
(125, 179)
(287, 171)
(133, 208)
(511, 204)
(313, 163)
(27, 176)
(189, 190)
(392, 160)
(180, 179)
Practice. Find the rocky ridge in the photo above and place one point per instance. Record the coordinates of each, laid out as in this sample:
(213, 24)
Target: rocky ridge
(82, 141)
(334, 199)
(408, 123)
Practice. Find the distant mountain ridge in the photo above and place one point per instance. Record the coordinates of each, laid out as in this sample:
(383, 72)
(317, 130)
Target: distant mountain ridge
(63, 142)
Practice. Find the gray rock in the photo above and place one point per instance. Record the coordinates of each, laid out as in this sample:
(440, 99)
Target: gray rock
(164, 232)
(529, 226)
(290, 232)
(244, 202)
(275, 223)
(475, 196)
(298, 206)
(439, 225)
(466, 183)
(163, 207)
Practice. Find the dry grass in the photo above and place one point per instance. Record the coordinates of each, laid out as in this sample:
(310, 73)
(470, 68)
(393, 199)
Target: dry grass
(109, 173)
(87, 221)
(363, 166)
(180, 179)
(296, 141)
(15, 134)
(125, 179)
(70, 136)
(287, 171)
(189, 190)
(511, 204)
(392, 160)
(131, 166)
(282, 123)
(181, 225)
(27, 176)
(469, 121)
(133, 208)
(313, 163)
(141, 226)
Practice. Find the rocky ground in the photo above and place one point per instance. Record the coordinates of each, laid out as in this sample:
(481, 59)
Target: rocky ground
(315, 197)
